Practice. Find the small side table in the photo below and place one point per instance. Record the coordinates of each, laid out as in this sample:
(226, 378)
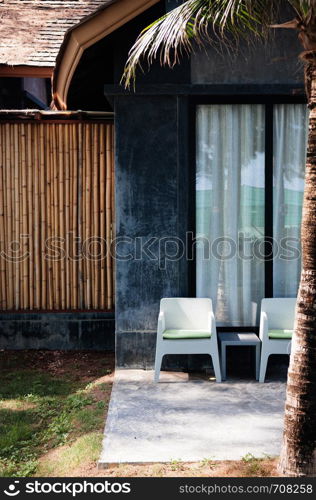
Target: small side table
(238, 339)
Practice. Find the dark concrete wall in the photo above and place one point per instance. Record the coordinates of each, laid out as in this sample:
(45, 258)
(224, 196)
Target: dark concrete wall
(90, 330)
(273, 62)
(151, 202)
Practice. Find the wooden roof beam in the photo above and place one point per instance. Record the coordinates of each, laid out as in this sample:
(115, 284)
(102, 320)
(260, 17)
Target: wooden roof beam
(23, 71)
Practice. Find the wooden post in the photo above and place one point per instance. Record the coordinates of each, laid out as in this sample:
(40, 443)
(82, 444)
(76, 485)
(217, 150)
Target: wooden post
(55, 226)
(69, 236)
(50, 301)
(15, 159)
(9, 217)
(102, 217)
(36, 181)
(25, 266)
(80, 212)
(96, 210)
(61, 210)
(3, 304)
(113, 231)
(67, 207)
(21, 147)
(74, 219)
(43, 225)
(30, 234)
(88, 213)
(109, 212)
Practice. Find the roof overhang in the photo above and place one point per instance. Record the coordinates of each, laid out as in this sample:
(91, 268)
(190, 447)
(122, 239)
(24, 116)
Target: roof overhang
(24, 71)
(92, 29)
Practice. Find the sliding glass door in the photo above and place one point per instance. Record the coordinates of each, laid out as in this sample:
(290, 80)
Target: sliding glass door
(230, 205)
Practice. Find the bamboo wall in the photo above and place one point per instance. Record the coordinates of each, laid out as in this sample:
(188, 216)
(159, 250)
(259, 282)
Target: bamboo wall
(56, 216)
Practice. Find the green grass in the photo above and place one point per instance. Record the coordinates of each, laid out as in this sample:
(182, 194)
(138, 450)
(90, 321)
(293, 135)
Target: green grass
(40, 412)
(20, 383)
(253, 466)
(84, 449)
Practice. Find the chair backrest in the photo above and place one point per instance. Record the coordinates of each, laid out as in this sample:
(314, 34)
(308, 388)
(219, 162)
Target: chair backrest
(186, 313)
(280, 312)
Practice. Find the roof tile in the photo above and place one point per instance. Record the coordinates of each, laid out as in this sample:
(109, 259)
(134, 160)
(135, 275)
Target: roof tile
(32, 31)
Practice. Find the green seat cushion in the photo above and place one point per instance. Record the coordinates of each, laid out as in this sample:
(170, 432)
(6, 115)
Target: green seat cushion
(186, 334)
(280, 334)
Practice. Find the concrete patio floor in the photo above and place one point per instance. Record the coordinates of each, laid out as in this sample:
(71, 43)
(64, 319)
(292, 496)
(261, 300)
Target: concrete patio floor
(190, 420)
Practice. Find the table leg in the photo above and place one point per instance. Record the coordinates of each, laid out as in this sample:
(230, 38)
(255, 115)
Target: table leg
(223, 360)
(257, 361)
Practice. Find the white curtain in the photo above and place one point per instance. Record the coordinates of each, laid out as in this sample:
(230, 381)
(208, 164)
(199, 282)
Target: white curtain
(230, 210)
(290, 140)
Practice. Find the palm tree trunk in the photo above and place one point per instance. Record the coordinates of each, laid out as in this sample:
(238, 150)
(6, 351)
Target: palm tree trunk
(298, 456)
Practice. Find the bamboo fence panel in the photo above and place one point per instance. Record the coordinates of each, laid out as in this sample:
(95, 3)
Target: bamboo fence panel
(3, 301)
(57, 216)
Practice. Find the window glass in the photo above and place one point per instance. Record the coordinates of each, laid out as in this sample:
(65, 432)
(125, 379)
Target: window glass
(290, 138)
(230, 207)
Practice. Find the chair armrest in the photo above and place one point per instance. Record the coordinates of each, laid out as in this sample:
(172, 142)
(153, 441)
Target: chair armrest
(212, 323)
(161, 323)
(263, 332)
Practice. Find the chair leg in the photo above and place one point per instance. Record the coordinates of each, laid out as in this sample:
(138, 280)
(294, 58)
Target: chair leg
(263, 366)
(158, 361)
(217, 368)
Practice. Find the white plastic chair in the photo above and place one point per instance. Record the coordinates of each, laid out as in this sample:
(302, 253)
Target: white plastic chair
(276, 328)
(186, 326)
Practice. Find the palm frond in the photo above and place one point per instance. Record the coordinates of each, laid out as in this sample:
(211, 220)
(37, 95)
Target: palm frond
(302, 8)
(198, 21)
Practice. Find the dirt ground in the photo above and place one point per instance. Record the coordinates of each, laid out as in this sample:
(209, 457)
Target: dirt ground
(255, 468)
(77, 364)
